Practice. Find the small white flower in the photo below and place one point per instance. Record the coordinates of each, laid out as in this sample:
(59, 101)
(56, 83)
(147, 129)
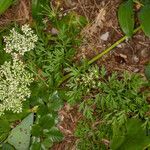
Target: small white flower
(14, 82)
(19, 43)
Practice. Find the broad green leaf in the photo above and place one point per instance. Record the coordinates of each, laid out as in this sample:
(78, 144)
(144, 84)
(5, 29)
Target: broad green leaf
(134, 138)
(4, 5)
(47, 121)
(4, 126)
(20, 135)
(35, 146)
(56, 101)
(36, 130)
(147, 72)
(126, 17)
(144, 19)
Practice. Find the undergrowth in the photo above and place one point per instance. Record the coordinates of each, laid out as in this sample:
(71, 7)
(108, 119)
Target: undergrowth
(107, 100)
(114, 105)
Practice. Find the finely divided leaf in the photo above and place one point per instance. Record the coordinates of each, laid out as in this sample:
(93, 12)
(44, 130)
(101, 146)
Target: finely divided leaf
(126, 17)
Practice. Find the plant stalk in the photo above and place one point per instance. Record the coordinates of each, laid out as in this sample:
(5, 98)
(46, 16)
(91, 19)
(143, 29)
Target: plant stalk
(94, 59)
(111, 47)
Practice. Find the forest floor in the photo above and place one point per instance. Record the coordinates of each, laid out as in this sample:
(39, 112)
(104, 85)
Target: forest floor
(101, 32)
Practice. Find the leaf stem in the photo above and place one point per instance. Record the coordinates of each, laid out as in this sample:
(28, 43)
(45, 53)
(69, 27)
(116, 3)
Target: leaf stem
(111, 47)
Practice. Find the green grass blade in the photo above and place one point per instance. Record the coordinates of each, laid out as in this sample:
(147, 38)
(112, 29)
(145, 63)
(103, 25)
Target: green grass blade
(4, 5)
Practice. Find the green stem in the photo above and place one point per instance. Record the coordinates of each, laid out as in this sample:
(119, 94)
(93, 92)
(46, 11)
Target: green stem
(101, 54)
(111, 47)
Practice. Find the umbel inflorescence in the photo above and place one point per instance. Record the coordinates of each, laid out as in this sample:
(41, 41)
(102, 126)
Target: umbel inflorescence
(14, 82)
(19, 43)
(14, 78)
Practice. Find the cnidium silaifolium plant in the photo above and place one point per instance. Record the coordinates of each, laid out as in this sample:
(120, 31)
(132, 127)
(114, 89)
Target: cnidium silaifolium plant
(114, 95)
(83, 82)
(115, 99)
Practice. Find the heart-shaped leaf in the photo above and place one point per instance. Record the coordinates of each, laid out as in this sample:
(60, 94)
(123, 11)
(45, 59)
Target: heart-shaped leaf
(126, 17)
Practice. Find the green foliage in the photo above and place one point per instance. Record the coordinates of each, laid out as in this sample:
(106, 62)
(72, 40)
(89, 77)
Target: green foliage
(90, 134)
(37, 8)
(147, 72)
(52, 55)
(81, 82)
(133, 136)
(7, 146)
(4, 5)
(87, 136)
(127, 19)
(107, 100)
(143, 16)
(8, 120)
(44, 131)
(109, 103)
(55, 52)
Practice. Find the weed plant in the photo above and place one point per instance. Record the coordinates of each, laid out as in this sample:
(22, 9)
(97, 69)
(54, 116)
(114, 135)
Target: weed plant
(47, 63)
(106, 101)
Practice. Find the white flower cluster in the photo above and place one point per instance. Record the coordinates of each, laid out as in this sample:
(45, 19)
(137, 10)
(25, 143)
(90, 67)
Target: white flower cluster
(19, 43)
(89, 79)
(14, 78)
(14, 82)
(86, 81)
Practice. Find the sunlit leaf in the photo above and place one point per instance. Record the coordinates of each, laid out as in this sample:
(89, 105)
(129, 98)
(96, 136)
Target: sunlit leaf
(20, 135)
